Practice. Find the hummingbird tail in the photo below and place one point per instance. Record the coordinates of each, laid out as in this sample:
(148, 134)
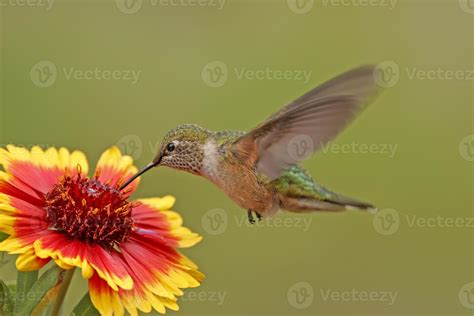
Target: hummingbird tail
(361, 206)
(340, 203)
(298, 192)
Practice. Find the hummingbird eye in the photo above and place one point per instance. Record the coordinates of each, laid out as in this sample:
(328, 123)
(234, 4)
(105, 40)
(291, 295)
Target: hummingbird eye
(170, 147)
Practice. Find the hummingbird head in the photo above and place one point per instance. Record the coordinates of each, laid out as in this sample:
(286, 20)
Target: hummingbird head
(181, 148)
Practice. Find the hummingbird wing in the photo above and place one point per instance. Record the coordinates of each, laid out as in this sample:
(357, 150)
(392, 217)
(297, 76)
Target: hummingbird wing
(310, 121)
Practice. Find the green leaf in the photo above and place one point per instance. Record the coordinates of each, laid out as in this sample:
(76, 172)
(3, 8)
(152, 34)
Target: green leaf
(24, 282)
(3, 236)
(6, 300)
(47, 281)
(85, 307)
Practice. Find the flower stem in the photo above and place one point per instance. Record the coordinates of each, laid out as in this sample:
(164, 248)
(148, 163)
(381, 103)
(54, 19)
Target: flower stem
(62, 292)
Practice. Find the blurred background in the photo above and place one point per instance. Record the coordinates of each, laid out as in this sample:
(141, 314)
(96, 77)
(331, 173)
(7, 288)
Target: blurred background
(91, 74)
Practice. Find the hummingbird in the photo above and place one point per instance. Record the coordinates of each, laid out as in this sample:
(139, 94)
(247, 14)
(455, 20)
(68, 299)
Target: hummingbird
(260, 169)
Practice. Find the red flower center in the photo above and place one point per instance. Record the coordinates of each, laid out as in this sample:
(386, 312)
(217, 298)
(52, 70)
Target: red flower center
(90, 211)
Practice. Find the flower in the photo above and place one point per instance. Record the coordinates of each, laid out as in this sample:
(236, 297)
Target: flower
(127, 250)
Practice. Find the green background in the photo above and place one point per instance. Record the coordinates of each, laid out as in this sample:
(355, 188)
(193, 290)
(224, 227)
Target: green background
(255, 267)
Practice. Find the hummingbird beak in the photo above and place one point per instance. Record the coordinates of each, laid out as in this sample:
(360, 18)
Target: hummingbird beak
(139, 173)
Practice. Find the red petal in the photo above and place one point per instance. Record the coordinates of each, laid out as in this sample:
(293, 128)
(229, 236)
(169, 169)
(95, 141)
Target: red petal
(39, 178)
(107, 263)
(152, 225)
(19, 190)
(114, 169)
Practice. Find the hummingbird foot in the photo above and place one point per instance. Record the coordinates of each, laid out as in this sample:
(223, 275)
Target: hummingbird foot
(251, 218)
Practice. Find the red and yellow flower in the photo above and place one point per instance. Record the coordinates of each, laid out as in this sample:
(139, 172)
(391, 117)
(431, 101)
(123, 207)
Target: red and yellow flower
(127, 250)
